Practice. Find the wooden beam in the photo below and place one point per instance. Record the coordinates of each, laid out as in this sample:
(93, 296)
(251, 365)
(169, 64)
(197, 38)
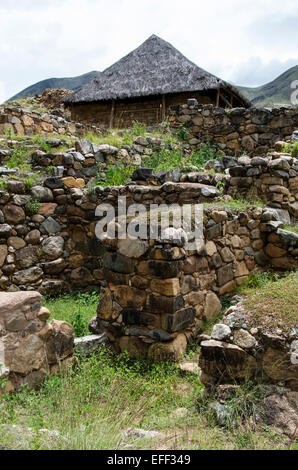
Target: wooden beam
(112, 114)
(163, 111)
(225, 100)
(217, 98)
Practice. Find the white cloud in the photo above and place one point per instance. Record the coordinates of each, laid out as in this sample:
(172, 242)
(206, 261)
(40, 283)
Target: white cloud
(2, 92)
(239, 40)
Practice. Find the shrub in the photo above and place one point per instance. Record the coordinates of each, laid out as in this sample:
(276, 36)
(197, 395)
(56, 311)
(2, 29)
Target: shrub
(139, 129)
(182, 133)
(79, 324)
(206, 152)
(39, 139)
(294, 150)
(291, 148)
(3, 184)
(116, 175)
(29, 182)
(33, 206)
(165, 160)
(18, 159)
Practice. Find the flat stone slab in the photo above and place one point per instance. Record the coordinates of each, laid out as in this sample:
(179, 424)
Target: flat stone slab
(87, 345)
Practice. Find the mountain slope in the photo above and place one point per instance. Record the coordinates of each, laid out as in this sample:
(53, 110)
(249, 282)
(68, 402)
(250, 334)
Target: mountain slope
(273, 93)
(277, 92)
(71, 83)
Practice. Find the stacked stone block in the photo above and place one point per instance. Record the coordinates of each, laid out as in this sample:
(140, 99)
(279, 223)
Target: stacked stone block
(237, 130)
(30, 347)
(157, 295)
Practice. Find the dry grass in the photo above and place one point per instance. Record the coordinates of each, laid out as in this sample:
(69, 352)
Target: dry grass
(94, 403)
(275, 304)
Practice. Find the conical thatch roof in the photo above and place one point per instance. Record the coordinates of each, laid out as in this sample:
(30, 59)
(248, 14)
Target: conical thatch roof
(154, 68)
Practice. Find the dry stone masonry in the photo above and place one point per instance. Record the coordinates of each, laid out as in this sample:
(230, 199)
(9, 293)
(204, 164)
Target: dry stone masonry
(25, 122)
(30, 347)
(157, 296)
(237, 351)
(237, 130)
(54, 247)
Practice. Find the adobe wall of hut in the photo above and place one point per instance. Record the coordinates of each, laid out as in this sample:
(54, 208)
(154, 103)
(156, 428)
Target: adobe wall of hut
(150, 110)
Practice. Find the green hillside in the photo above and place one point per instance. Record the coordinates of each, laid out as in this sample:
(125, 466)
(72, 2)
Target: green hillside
(275, 93)
(72, 83)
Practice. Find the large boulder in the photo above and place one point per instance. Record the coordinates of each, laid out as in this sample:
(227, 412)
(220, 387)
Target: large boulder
(14, 214)
(222, 362)
(52, 247)
(27, 276)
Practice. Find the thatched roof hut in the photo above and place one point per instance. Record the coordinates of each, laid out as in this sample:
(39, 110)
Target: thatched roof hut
(143, 84)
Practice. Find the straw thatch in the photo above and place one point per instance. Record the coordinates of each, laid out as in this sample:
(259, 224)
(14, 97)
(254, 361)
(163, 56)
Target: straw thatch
(154, 68)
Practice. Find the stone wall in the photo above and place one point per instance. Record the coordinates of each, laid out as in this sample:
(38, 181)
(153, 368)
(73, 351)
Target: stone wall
(20, 122)
(274, 179)
(57, 249)
(237, 130)
(30, 347)
(157, 296)
(238, 351)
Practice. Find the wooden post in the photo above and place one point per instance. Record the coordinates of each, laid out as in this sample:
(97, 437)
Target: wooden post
(112, 114)
(163, 115)
(225, 101)
(217, 98)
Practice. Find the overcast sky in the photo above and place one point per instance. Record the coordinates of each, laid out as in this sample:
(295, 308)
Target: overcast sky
(244, 41)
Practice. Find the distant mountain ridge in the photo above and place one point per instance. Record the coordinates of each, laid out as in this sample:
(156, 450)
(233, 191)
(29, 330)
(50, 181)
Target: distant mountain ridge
(275, 93)
(70, 83)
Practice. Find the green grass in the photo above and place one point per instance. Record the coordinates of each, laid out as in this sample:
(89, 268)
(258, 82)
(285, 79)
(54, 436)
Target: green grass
(291, 148)
(237, 204)
(97, 399)
(77, 309)
(19, 159)
(272, 300)
(292, 228)
(116, 175)
(112, 138)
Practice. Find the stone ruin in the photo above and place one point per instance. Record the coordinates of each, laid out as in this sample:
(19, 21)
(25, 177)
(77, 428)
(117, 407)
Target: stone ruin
(157, 296)
(237, 350)
(30, 347)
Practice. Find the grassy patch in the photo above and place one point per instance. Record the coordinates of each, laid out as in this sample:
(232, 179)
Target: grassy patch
(19, 159)
(237, 204)
(77, 309)
(292, 228)
(95, 401)
(116, 175)
(112, 138)
(291, 148)
(275, 303)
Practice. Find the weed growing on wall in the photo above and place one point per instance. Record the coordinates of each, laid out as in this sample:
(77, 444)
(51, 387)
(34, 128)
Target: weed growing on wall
(33, 206)
(29, 182)
(205, 153)
(182, 133)
(40, 140)
(116, 175)
(291, 148)
(19, 159)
